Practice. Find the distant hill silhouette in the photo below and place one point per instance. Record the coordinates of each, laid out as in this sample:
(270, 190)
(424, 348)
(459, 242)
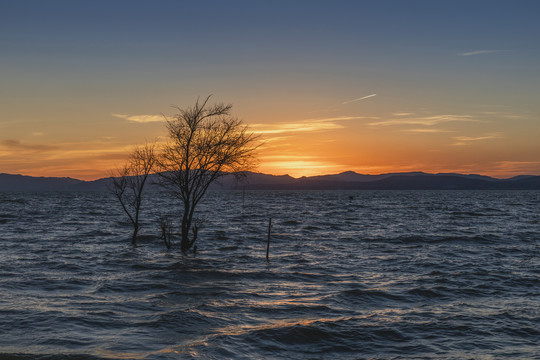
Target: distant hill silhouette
(28, 183)
(344, 181)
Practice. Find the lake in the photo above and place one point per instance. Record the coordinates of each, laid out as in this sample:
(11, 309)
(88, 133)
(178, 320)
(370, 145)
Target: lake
(351, 275)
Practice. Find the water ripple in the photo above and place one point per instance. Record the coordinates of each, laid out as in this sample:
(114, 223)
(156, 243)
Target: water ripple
(354, 275)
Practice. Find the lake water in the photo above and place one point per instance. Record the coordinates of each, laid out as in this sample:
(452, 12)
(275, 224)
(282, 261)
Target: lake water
(352, 275)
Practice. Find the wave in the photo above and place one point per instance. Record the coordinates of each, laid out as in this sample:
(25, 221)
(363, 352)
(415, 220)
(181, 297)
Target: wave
(52, 356)
(436, 239)
(369, 296)
(7, 216)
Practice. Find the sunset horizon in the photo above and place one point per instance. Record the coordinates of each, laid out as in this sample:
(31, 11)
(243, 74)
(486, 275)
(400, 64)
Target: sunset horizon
(355, 86)
(297, 177)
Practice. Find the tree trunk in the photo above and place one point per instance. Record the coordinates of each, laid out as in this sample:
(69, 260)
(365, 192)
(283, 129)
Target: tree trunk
(185, 244)
(134, 237)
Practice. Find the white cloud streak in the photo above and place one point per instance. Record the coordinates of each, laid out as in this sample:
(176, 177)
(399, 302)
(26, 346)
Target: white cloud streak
(324, 124)
(466, 140)
(141, 118)
(482, 52)
(343, 118)
(355, 100)
(429, 131)
(294, 127)
(426, 120)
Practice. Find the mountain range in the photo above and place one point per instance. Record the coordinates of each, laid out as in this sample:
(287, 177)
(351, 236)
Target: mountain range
(257, 181)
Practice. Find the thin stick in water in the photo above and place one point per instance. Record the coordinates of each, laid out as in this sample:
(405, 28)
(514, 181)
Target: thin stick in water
(268, 240)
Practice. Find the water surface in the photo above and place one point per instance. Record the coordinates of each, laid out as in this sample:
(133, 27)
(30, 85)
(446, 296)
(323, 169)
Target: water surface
(352, 274)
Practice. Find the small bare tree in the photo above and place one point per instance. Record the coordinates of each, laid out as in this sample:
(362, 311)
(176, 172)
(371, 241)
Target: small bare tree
(166, 227)
(205, 143)
(129, 182)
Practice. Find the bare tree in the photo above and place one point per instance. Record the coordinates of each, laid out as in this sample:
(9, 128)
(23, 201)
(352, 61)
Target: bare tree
(205, 143)
(129, 182)
(166, 227)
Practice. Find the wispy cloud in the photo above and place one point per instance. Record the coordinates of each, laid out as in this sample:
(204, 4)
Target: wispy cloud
(518, 167)
(293, 127)
(311, 125)
(358, 99)
(428, 130)
(341, 118)
(140, 118)
(504, 114)
(482, 52)
(426, 120)
(466, 140)
(79, 159)
(19, 146)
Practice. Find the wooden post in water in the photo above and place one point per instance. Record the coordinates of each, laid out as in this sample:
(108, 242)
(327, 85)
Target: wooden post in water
(243, 198)
(268, 240)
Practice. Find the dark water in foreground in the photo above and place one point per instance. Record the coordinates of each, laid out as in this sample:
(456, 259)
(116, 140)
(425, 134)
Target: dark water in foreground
(354, 275)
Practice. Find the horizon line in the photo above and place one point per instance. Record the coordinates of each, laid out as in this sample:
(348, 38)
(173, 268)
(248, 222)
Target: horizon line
(301, 177)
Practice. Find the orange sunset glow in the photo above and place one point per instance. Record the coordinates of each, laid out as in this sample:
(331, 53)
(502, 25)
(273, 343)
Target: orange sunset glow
(326, 96)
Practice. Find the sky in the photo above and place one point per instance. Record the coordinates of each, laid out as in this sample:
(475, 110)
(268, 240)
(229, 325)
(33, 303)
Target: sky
(331, 86)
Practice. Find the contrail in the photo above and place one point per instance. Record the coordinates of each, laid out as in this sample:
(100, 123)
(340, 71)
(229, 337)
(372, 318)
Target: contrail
(362, 98)
(480, 52)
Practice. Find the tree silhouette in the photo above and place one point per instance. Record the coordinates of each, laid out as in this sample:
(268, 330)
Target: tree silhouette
(205, 143)
(129, 182)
